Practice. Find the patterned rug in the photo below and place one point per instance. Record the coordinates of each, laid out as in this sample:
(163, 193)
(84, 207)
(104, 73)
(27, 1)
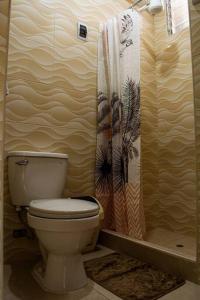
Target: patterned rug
(131, 279)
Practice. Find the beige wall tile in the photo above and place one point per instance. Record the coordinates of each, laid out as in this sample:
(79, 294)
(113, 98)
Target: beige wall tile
(174, 148)
(195, 27)
(168, 128)
(175, 133)
(31, 64)
(77, 143)
(4, 10)
(4, 22)
(195, 33)
(196, 73)
(32, 21)
(52, 100)
(37, 103)
(52, 83)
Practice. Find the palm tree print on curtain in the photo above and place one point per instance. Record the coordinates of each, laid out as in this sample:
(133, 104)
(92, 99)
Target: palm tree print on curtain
(118, 125)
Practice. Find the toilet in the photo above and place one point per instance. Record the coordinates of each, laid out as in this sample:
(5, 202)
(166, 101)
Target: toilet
(63, 226)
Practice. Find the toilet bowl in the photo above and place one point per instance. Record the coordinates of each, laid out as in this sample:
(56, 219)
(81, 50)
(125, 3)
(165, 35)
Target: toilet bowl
(63, 226)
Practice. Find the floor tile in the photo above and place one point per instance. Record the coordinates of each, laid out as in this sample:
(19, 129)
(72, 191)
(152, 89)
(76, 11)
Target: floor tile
(99, 252)
(189, 291)
(19, 285)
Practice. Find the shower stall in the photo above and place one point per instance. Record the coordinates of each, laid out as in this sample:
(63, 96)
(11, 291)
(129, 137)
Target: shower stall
(168, 134)
(168, 157)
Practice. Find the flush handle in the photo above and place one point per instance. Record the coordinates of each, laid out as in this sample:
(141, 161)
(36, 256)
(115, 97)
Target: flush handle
(23, 162)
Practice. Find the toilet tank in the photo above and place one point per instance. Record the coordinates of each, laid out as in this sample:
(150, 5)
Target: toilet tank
(36, 175)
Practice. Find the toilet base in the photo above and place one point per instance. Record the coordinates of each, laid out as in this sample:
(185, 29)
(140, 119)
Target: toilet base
(61, 275)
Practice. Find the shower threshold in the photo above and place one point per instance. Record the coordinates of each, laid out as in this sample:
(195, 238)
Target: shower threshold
(173, 260)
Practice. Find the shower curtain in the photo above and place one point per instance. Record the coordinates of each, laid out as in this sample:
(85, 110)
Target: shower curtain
(118, 185)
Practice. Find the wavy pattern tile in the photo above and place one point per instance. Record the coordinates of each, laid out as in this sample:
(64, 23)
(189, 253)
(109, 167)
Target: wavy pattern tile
(52, 83)
(176, 155)
(168, 148)
(37, 103)
(4, 23)
(52, 105)
(195, 30)
(149, 119)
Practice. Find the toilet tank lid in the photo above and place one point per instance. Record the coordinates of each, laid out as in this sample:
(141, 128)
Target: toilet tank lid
(38, 154)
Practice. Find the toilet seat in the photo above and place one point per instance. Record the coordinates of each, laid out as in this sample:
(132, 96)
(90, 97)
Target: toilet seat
(63, 208)
(63, 225)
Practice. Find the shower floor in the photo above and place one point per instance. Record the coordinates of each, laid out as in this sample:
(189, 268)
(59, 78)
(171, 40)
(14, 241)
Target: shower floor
(181, 244)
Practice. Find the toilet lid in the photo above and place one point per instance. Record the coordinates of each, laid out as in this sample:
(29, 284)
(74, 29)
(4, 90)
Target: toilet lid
(63, 208)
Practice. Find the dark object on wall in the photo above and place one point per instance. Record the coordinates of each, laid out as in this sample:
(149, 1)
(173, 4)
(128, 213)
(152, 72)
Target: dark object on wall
(195, 1)
(82, 31)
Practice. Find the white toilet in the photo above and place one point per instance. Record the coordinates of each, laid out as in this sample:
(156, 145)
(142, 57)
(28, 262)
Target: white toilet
(63, 226)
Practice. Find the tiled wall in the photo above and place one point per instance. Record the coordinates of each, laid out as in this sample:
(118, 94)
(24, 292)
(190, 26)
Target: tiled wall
(149, 122)
(170, 163)
(52, 105)
(4, 22)
(195, 34)
(176, 153)
(52, 89)
(30, 95)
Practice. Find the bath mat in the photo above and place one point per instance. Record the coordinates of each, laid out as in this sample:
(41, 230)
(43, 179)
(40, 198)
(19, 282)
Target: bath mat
(131, 279)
